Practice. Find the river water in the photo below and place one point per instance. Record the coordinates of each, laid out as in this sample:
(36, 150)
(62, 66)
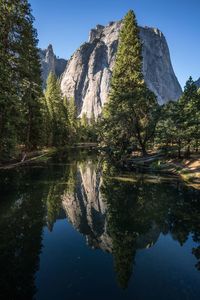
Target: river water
(76, 228)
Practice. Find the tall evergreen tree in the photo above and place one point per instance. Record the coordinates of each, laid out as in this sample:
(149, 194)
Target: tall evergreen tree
(20, 83)
(9, 92)
(179, 125)
(57, 111)
(30, 80)
(190, 104)
(72, 115)
(131, 112)
(84, 120)
(169, 130)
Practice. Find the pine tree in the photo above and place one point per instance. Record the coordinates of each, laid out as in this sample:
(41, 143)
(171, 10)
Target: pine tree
(131, 112)
(46, 133)
(190, 104)
(20, 92)
(93, 128)
(9, 91)
(169, 130)
(179, 124)
(84, 120)
(30, 80)
(57, 111)
(92, 119)
(72, 116)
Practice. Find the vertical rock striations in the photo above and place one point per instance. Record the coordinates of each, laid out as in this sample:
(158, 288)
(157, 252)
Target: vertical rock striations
(88, 73)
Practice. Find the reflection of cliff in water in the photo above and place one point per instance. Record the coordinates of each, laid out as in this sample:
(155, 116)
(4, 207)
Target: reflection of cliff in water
(84, 205)
(86, 209)
(122, 217)
(119, 217)
(30, 199)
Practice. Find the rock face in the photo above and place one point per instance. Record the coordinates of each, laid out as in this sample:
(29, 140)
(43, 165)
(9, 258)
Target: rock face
(198, 83)
(50, 63)
(88, 73)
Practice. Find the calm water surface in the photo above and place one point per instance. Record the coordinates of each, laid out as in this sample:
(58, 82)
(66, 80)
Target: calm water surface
(77, 229)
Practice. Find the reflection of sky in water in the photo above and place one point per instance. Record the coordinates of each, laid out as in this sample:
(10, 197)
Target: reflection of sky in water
(69, 267)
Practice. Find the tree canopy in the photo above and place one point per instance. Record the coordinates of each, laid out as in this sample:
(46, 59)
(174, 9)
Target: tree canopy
(130, 115)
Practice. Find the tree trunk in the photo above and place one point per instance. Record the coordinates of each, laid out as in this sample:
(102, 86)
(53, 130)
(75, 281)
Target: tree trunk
(179, 149)
(197, 146)
(188, 152)
(144, 152)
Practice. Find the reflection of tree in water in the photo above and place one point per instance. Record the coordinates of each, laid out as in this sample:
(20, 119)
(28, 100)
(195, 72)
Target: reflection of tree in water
(125, 224)
(184, 218)
(196, 252)
(33, 201)
(30, 199)
(135, 208)
(53, 197)
(120, 228)
(60, 180)
(21, 225)
(124, 253)
(136, 213)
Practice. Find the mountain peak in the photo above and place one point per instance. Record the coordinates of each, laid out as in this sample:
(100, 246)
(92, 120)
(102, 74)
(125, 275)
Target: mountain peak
(50, 48)
(50, 63)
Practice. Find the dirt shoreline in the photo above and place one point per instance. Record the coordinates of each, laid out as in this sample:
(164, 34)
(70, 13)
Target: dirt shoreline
(187, 170)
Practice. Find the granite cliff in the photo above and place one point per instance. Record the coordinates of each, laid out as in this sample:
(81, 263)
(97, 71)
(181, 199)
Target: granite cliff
(50, 63)
(88, 73)
(198, 83)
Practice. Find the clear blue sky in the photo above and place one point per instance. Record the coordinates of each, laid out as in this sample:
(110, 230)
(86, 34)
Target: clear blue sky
(66, 24)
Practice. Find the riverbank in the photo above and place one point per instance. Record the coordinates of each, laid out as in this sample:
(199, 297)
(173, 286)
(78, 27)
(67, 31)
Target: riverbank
(43, 155)
(187, 170)
(29, 158)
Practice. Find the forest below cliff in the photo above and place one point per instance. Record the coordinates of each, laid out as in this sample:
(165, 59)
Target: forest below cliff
(132, 120)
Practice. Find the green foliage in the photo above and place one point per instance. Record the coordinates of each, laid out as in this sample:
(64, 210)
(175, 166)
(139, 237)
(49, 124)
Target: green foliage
(21, 225)
(30, 82)
(132, 111)
(20, 83)
(179, 124)
(29, 120)
(9, 100)
(72, 115)
(190, 103)
(139, 211)
(57, 112)
(88, 130)
(84, 120)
